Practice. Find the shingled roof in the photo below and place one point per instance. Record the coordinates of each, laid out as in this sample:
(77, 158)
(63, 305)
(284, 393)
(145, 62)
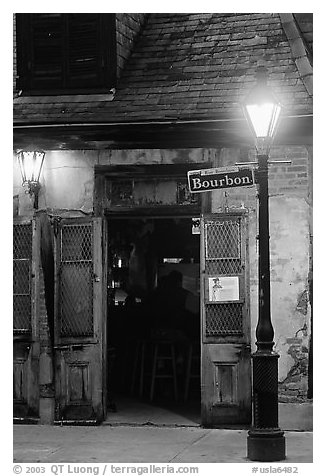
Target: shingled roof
(192, 67)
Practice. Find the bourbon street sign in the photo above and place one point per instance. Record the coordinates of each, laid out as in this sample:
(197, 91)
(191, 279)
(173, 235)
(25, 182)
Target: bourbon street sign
(223, 177)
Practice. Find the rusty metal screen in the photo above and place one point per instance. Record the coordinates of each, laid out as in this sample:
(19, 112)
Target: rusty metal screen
(76, 281)
(22, 262)
(223, 257)
(223, 247)
(224, 319)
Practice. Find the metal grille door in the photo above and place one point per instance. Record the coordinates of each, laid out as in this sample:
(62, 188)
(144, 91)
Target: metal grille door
(26, 264)
(226, 372)
(22, 262)
(80, 320)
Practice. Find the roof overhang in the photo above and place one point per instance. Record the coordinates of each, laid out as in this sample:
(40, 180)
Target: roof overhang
(197, 133)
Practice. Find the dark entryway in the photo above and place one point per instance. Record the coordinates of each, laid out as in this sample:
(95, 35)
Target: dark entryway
(153, 323)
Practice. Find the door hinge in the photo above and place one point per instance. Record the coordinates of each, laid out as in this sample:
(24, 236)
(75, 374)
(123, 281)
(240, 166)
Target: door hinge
(244, 350)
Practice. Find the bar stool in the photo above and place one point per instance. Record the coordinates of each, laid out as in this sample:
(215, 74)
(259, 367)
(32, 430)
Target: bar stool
(192, 369)
(139, 365)
(165, 355)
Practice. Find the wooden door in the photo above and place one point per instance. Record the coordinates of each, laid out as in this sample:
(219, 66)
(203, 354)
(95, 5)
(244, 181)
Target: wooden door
(226, 364)
(80, 321)
(26, 347)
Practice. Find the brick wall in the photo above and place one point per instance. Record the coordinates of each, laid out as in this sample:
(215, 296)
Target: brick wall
(128, 26)
(288, 179)
(46, 371)
(294, 387)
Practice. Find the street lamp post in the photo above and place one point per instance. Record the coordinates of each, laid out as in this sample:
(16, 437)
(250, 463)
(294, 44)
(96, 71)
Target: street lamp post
(266, 441)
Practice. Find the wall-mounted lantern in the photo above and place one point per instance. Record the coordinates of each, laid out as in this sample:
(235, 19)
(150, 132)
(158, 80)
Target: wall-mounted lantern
(31, 162)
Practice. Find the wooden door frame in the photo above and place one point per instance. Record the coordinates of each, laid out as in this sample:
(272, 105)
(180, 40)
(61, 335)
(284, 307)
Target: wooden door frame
(104, 173)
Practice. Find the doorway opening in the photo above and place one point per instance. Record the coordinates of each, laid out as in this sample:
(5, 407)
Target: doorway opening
(153, 327)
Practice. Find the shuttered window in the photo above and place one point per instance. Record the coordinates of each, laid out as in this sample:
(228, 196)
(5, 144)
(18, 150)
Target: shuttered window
(65, 52)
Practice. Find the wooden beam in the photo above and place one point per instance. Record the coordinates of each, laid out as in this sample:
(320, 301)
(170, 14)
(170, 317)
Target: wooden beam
(292, 131)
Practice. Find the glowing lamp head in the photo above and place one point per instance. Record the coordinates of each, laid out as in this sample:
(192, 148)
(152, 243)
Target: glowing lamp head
(31, 162)
(262, 109)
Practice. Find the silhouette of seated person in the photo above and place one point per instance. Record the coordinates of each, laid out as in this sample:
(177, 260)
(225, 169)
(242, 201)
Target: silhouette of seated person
(174, 309)
(174, 315)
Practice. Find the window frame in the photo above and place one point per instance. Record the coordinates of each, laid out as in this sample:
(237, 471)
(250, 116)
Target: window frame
(24, 42)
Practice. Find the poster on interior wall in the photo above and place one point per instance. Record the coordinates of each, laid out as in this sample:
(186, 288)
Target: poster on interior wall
(223, 288)
(195, 226)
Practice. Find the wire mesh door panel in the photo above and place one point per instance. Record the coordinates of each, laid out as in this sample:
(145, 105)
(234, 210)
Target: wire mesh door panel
(79, 316)
(22, 277)
(76, 280)
(224, 285)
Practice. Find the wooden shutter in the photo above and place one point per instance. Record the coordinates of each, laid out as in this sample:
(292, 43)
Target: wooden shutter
(58, 52)
(84, 62)
(46, 66)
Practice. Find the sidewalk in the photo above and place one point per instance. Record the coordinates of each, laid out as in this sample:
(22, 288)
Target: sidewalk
(143, 444)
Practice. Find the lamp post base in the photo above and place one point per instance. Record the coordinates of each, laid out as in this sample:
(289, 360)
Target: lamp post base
(266, 445)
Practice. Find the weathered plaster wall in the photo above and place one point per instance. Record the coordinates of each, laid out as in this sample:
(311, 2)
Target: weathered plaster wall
(68, 176)
(67, 187)
(289, 274)
(289, 259)
(289, 207)
(67, 183)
